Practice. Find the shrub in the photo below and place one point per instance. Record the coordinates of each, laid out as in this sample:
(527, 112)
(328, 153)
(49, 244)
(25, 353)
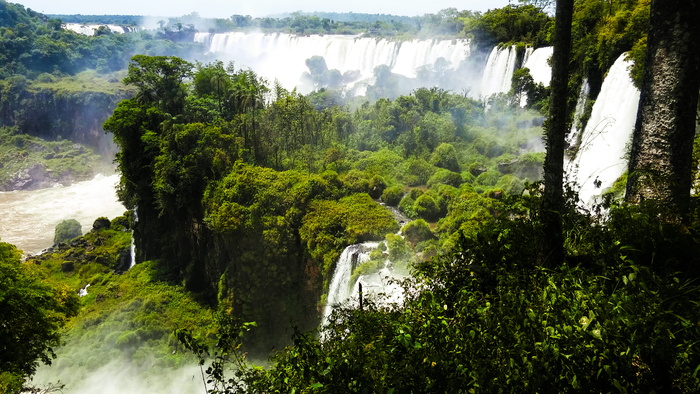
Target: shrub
(426, 207)
(510, 184)
(406, 204)
(376, 186)
(392, 195)
(100, 223)
(445, 156)
(417, 231)
(488, 178)
(67, 230)
(418, 172)
(445, 177)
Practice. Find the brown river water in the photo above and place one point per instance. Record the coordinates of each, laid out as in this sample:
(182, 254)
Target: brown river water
(28, 218)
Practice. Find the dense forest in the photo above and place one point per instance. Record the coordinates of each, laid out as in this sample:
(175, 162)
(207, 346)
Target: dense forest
(242, 194)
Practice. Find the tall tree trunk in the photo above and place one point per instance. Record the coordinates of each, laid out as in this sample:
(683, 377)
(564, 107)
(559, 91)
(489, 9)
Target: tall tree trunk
(660, 163)
(552, 242)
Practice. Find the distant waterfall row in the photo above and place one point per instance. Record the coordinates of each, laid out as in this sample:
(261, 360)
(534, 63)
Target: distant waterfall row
(282, 57)
(90, 29)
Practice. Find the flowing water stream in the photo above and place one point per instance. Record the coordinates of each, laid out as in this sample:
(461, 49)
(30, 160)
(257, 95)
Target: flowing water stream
(29, 218)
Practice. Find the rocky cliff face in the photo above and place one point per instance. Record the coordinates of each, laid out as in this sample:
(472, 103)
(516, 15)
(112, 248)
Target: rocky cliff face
(50, 136)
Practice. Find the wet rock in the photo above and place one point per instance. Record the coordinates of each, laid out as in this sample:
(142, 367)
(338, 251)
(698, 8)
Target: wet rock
(124, 261)
(101, 223)
(67, 266)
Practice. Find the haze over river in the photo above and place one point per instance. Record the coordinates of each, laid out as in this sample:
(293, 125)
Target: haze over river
(29, 218)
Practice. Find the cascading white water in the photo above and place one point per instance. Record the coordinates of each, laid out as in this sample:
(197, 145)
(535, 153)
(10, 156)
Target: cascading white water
(83, 292)
(498, 72)
(339, 290)
(282, 56)
(538, 63)
(132, 252)
(382, 282)
(132, 248)
(572, 137)
(600, 160)
(527, 54)
(30, 217)
(89, 29)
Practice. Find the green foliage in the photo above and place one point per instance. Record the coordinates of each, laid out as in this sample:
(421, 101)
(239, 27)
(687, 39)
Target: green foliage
(488, 178)
(227, 185)
(486, 318)
(602, 32)
(399, 250)
(32, 315)
(445, 177)
(510, 184)
(426, 207)
(392, 195)
(445, 156)
(522, 23)
(130, 318)
(376, 186)
(418, 172)
(159, 81)
(29, 162)
(407, 202)
(417, 231)
(67, 230)
(329, 226)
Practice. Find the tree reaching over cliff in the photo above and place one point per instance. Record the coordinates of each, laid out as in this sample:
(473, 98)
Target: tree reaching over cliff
(660, 163)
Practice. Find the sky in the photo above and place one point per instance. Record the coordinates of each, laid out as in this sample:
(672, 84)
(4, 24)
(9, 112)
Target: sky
(255, 8)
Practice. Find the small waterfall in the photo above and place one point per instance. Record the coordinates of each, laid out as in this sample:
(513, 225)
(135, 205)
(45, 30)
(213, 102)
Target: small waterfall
(526, 55)
(83, 292)
(572, 137)
(381, 282)
(600, 160)
(498, 72)
(339, 290)
(132, 251)
(132, 248)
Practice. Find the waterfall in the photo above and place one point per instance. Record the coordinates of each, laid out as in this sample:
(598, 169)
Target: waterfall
(527, 54)
(572, 137)
(132, 251)
(282, 56)
(339, 290)
(89, 29)
(83, 292)
(538, 63)
(600, 160)
(132, 248)
(498, 72)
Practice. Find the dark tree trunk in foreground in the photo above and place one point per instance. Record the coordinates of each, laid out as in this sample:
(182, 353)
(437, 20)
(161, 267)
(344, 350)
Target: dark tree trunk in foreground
(660, 163)
(552, 242)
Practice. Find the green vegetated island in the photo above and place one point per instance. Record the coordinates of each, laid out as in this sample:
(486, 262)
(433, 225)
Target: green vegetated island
(241, 196)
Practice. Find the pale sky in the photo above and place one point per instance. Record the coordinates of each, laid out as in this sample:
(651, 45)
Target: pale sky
(255, 8)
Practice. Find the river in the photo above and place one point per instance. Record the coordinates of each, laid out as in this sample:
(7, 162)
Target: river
(30, 217)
